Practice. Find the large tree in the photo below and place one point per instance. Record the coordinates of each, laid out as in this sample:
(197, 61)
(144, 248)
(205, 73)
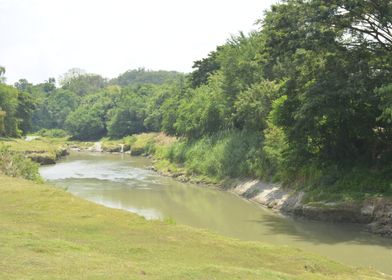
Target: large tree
(332, 109)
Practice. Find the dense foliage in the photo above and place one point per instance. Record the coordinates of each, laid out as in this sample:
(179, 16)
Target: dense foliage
(142, 76)
(311, 89)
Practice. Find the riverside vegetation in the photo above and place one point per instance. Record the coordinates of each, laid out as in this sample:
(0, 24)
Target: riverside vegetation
(306, 100)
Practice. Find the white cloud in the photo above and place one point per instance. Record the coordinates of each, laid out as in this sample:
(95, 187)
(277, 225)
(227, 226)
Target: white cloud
(45, 38)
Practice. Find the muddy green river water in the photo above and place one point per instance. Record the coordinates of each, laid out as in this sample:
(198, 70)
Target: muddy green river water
(121, 181)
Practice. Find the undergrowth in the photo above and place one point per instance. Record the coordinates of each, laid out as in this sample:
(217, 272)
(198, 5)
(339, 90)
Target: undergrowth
(15, 164)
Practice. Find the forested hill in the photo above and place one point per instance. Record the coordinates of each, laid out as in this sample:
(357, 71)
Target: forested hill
(142, 76)
(306, 99)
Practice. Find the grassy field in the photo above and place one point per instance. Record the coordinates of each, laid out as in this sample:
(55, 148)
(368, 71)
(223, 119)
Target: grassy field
(41, 144)
(46, 233)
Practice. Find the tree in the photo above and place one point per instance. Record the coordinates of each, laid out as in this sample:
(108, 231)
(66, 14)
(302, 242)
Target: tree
(203, 112)
(85, 124)
(3, 114)
(384, 132)
(154, 106)
(49, 85)
(23, 85)
(26, 107)
(253, 106)
(142, 76)
(126, 121)
(127, 118)
(331, 108)
(366, 20)
(82, 83)
(204, 68)
(2, 72)
(59, 105)
(8, 108)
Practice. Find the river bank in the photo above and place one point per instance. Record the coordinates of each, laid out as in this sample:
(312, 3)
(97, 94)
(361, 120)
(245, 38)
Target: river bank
(374, 212)
(41, 150)
(88, 240)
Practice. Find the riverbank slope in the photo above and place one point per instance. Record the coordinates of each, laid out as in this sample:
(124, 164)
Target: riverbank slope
(202, 162)
(42, 150)
(374, 212)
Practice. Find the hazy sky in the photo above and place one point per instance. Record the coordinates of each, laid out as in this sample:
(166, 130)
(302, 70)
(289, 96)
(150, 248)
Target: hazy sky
(45, 38)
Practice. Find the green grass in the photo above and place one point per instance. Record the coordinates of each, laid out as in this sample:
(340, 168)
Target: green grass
(41, 144)
(224, 155)
(110, 145)
(143, 143)
(46, 233)
(345, 183)
(38, 149)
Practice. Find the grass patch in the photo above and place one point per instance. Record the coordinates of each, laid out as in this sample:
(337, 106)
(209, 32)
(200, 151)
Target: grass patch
(42, 150)
(218, 157)
(143, 144)
(47, 233)
(52, 133)
(110, 145)
(150, 143)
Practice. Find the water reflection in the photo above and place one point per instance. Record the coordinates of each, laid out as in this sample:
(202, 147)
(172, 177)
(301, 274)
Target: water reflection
(124, 182)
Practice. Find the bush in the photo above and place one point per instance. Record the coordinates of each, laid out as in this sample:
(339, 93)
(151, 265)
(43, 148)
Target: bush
(143, 144)
(85, 124)
(52, 133)
(225, 154)
(14, 164)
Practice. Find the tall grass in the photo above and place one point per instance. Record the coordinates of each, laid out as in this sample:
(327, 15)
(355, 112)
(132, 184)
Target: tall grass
(15, 164)
(332, 182)
(222, 155)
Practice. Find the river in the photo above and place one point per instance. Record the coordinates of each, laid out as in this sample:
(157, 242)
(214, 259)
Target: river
(121, 181)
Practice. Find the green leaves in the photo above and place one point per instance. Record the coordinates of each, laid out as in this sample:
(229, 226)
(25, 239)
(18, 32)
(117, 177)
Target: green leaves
(331, 109)
(85, 124)
(9, 106)
(15, 164)
(252, 106)
(204, 113)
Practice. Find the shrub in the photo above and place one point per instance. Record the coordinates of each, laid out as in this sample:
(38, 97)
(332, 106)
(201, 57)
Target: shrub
(225, 154)
(52, 133)
(14, 164)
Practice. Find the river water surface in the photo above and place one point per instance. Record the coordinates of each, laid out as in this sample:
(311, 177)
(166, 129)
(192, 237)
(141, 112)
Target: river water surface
(121, 181)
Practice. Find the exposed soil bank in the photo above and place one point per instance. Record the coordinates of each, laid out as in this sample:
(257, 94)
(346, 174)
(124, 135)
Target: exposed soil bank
(44, 157)
(375, 213)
